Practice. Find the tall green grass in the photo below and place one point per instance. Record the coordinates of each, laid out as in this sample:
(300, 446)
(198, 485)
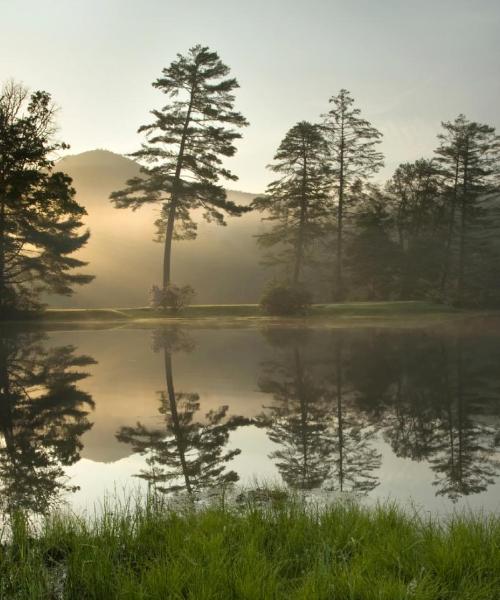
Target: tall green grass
(280, 550)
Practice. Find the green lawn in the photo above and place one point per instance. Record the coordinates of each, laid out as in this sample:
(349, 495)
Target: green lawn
(281, 550)
(386, 310)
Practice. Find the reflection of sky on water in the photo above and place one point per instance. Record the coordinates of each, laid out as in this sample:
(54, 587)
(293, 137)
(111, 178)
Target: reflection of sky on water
(227, 366)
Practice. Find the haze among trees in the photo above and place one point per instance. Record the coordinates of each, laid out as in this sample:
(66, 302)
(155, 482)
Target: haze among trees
(329, 230)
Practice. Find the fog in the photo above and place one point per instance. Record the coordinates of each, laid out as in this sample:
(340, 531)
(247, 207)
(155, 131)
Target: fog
(222, 264)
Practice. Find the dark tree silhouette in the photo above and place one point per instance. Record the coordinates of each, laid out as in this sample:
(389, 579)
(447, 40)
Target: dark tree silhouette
(184, 148)
(43, 415)
(466, 458)
(354, 457)
(353, 157)
(39, 217)
(188, 453)
(469, 159)
(297, 201)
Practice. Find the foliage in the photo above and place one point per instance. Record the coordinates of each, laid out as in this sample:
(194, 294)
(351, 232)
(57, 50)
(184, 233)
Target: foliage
(43, 415)
(297, 201)
(182, 157)
(284, 299)
(172, 296)
(353, 158)
(39, 216)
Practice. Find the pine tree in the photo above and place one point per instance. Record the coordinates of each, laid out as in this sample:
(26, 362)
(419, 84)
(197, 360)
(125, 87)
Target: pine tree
(185, 147)
(415, 197)
(469, 159)
(39, 217)
(353, 156)
(297, 201)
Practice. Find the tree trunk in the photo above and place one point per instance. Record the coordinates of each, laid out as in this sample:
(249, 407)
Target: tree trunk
(181, 443)
(302, 223)
(449, 237)
(167, 250)
(2, 258)
(463, 233)
(174, 195)
(339, 284)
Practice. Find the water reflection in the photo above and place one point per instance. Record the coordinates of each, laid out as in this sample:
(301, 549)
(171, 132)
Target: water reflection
(371, 411)
(324, 439)
(436, 400)
(188, 452)
(43, 415)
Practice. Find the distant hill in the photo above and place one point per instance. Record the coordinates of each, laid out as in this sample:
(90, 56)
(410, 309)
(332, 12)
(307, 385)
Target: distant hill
(222, 264)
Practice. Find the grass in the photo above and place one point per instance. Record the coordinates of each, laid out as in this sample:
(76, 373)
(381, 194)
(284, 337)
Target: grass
(351, 310)
(277, 550)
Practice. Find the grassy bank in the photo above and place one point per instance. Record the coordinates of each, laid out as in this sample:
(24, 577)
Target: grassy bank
(282, 551)
(351, 310)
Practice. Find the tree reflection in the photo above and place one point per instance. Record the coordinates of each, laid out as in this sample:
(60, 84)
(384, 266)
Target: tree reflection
(295, 420)
(43, 415)
(323, 439)
(188, 453)
(466, 458)
(355, 457)
(438, 402)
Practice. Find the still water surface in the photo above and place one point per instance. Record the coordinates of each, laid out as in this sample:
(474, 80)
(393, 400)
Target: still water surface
(406, 414)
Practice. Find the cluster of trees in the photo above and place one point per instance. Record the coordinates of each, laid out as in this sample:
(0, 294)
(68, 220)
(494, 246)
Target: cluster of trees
(432, 231)
(429, 232)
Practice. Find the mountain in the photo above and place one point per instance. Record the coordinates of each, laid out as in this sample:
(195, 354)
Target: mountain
(222, 264)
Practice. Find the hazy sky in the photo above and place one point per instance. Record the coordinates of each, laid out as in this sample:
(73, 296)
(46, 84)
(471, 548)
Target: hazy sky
(409, 64)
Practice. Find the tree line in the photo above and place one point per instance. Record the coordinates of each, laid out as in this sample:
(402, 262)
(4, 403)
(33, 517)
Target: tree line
(430, 232)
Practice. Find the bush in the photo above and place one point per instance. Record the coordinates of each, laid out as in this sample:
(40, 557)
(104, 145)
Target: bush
(283, 299)
(173, 297)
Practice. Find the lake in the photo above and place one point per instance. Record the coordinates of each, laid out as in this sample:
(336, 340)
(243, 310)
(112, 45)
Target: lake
(408, 414)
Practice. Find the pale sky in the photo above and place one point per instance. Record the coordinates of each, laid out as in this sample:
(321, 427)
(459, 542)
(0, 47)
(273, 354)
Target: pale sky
(408, 63)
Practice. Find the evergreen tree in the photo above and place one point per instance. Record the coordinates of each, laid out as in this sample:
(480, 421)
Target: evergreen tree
(297, 201)
(185, 147)
(353, 156)
(469, 159)
(39, 217)
(372, 255)
(416, 202)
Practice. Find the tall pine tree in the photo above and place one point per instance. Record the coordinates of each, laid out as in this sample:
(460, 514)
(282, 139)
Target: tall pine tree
(185, 145)
(40, 220)
(469, 159)
(297, 201)
(353, 157)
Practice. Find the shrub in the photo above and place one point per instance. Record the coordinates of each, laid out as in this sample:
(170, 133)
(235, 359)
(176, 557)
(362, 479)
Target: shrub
(284, 299)
(173, 297)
